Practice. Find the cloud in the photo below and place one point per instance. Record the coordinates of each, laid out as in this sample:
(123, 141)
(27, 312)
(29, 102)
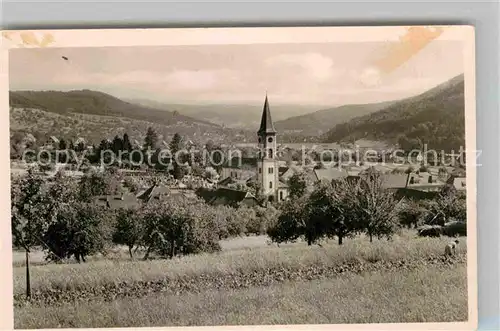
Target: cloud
(411, 43)
(370, 77)
(316, 65)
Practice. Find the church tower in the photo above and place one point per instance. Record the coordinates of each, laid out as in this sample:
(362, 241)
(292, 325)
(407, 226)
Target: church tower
(267, 166)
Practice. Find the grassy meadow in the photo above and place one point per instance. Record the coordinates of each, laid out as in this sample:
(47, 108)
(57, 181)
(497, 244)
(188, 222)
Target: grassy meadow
(405, 279)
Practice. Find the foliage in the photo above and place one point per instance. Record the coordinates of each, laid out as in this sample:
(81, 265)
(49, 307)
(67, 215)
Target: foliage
(435, 118)
(151, 139)
(94, 184)
(332, 211)
(444, 209)
(75, 231)
(127, 229)
(181, 226)
(374, 209)
(410, 213)
(297, 184)
(29, 215)
(338, 209)
(265, 217)
(132, 184)
(292, 221)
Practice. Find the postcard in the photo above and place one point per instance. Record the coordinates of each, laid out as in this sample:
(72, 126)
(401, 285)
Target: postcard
(301, 178)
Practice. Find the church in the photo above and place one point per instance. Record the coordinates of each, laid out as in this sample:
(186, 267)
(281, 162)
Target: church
(268, 170)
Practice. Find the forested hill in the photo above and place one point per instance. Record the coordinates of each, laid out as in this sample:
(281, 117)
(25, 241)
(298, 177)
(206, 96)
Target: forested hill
(435, 118)
(96, 103)
(322, 120)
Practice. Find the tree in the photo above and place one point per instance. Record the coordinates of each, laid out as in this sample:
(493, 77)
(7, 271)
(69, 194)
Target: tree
(410, 213)
(180, 226)
(29, 216)
(151, 139)
(291, 223)
(127, 146)
(175, 149)
(76, 232)
(117, 145)
(127, 229)
(447, 207)
(297, 184)
(374, 208)
(94, 184)
(62, 145)
(265, 218)
(331, 208)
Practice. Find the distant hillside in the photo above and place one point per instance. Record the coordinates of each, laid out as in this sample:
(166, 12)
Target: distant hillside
(96, 103)
(229, 115)
(435, 117)
(324, 119)
(95, 116)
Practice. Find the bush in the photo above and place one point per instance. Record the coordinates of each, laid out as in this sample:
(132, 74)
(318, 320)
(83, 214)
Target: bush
(127, 229)
(291, 223)
(410, 213)
(444, 209)
(75, 231)
(430, 230)
(455, 228)
(179, 226)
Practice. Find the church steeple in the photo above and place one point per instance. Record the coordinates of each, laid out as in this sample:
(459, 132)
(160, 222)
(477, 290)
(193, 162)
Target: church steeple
(266, 122)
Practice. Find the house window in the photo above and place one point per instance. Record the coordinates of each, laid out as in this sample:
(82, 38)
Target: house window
(270, 170)
(260, 170)
(270, 184)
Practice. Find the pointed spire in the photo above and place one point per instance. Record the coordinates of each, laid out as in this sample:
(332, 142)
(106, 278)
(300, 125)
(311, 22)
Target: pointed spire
(266, 123)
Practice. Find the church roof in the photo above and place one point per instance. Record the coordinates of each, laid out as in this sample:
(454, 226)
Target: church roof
(266, 122)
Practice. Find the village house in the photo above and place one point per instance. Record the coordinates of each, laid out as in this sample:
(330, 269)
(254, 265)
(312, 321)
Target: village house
(227, 197)
(125, 200)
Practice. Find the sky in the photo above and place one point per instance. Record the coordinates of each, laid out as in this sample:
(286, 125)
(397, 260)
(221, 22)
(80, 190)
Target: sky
(332, 73)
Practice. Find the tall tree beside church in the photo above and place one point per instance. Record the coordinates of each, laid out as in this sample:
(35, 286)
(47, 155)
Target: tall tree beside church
(298, 185)
(117, 145)
(151, 139)
(175, 148)
(127, 146)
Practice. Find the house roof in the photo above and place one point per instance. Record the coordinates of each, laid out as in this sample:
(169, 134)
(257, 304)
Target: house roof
(330, 174)
(459, 183)
(224, 196)
(154, 192)
(266, 122)
(117, 201)
(282, 184)
(232, 180)
(394, 180)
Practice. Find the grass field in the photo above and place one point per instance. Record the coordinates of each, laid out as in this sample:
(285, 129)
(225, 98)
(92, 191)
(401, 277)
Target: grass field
(425, 292)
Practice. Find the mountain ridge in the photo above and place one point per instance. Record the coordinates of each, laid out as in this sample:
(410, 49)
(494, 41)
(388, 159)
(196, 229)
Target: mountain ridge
(435, 117)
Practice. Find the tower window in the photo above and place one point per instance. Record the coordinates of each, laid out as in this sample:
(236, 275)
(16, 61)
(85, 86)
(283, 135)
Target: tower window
(270, 153)
(270, 139)
(260, 170)
(281, 195)
(270, 184)
(260, 140)
(271, 170)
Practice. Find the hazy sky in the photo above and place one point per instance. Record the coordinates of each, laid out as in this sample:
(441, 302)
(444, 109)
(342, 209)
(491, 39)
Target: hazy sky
(317, 74)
